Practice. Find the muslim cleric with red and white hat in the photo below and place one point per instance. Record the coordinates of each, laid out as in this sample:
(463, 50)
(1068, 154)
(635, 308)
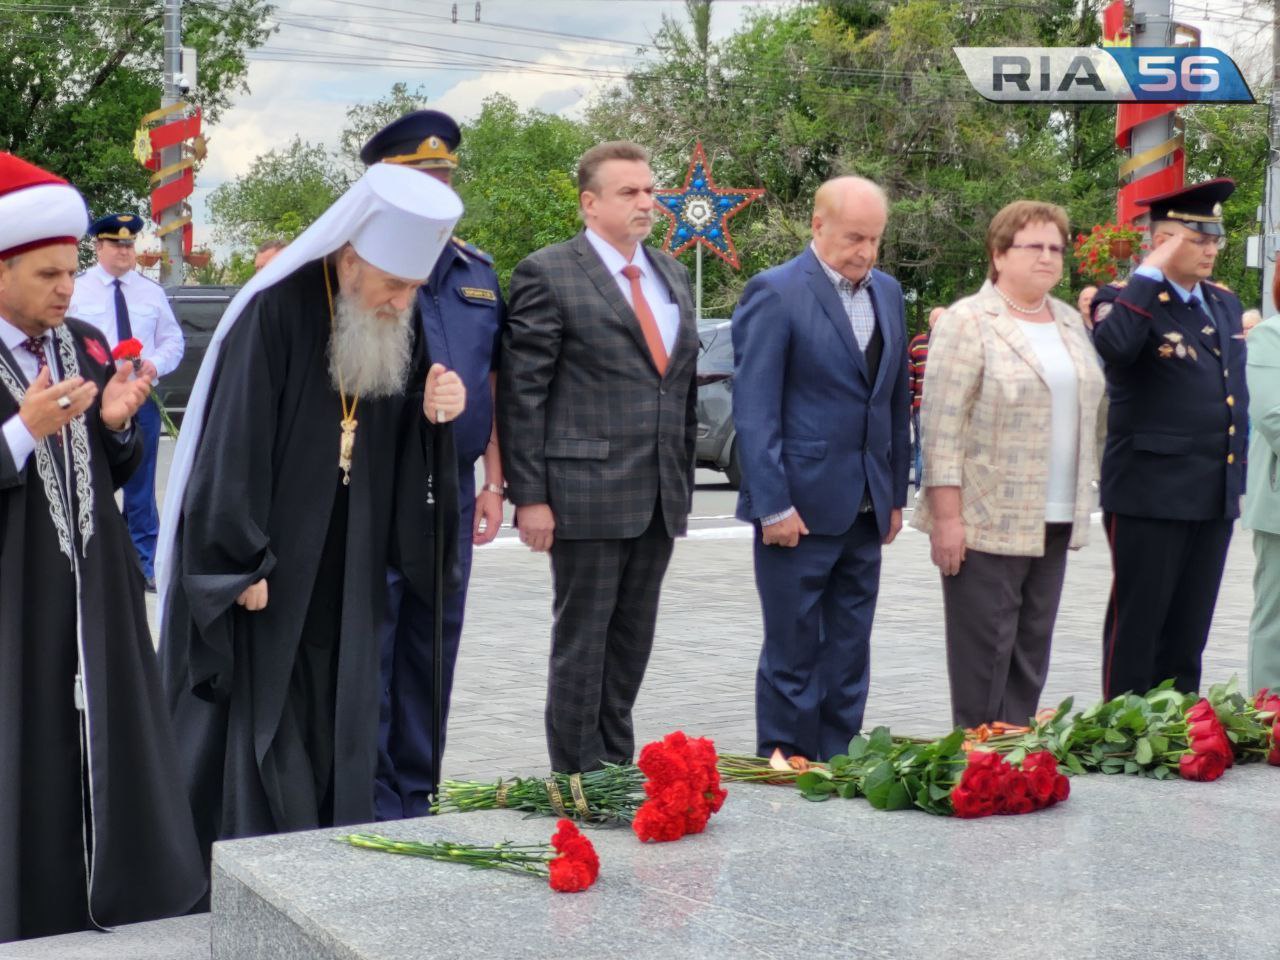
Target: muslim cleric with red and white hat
(81, 707)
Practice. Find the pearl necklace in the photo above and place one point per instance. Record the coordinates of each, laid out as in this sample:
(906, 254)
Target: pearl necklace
(1029, 311)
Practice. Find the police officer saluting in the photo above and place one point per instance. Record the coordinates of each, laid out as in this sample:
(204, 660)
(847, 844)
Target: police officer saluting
(461, 311)
(125, 305)
(1173, 470)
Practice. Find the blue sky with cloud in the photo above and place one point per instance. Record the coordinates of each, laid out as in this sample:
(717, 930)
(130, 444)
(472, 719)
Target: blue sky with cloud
(328, 55)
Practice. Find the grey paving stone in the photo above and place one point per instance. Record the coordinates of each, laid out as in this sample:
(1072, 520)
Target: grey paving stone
(182, 938)
(1125, 868)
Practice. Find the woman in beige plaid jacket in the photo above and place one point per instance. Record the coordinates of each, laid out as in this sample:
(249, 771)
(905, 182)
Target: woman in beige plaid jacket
(1011, 396)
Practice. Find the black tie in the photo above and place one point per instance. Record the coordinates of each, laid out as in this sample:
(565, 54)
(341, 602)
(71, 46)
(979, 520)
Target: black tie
(124, 331)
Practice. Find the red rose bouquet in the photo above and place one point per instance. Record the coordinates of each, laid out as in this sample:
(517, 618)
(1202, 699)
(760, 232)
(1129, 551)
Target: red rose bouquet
(683, 787)
(568, 863)
(991, 785)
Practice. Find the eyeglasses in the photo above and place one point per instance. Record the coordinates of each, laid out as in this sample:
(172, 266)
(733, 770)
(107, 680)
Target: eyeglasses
(1202, 242)
(1055, 249)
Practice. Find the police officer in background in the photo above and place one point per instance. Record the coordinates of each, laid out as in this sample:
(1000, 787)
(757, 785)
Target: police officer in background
(462, 313)
(1173, 470)
(123, 304)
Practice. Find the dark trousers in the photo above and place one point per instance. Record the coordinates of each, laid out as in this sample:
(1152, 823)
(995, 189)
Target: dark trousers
(606, 607)
(140, 511)
(818, 600)
(406, 767)
(1166, 575)
(999, 614)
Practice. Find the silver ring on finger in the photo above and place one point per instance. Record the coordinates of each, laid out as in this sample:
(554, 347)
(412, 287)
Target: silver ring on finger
(64, 403)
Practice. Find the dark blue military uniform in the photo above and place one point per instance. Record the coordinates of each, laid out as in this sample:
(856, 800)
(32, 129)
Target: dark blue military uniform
(462, 312)
(1173, 471)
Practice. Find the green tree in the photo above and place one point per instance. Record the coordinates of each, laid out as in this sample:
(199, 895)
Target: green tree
(366, 119)
(78, 77)
(517, 178)
(281, 195)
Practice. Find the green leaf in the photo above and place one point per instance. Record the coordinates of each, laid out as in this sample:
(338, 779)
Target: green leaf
(847, 790)
(1111, 735)
(1074, 764)
(1143, 753)
(950, 743)
(857, 748)
(813, 780)
(898, 797)
(938, 792)
(1131, 767)
(881, 741)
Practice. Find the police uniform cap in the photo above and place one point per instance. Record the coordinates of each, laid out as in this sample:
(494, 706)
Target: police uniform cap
(425, 139)
(1197, 207)
(117, 226)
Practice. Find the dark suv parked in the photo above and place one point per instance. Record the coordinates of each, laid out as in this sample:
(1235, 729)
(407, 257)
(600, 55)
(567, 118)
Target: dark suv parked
(717, 447)
(198, 310)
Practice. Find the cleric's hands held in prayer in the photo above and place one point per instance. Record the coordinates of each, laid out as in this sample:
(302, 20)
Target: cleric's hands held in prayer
(41, 412)
(445, 396)
(125, 393)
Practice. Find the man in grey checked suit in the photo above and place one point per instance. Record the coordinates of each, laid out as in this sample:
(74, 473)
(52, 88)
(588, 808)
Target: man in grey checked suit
(596, 413)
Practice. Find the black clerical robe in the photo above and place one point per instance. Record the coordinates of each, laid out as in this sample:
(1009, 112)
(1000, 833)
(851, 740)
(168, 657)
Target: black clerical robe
(93, 793)
(276, 711)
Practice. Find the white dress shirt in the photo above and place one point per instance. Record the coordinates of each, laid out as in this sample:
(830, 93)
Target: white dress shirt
(150, 316)
(665, 310)
(16, 435)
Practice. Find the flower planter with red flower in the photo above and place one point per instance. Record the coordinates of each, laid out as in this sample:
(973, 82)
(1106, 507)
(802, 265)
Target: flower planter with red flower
(1105, 253)
(198, 258)
(149, 258)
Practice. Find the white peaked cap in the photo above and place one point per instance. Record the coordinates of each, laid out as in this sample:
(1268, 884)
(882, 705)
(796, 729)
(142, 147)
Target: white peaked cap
(410, 218)
(398, 219)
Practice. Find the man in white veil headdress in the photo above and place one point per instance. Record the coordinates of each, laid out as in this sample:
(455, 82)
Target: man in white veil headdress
(305, 466)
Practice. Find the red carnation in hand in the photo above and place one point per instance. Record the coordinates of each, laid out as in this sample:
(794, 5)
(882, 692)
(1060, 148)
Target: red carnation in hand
(577, 866)
(130, 349)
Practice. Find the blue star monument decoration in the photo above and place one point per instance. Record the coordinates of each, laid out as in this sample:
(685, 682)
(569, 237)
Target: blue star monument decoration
(699, 211)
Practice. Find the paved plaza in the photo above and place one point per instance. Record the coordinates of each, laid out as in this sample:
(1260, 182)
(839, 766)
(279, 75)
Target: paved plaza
(702, 675)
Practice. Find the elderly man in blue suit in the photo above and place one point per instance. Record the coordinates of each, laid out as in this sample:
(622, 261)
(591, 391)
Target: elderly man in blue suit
(821, 409)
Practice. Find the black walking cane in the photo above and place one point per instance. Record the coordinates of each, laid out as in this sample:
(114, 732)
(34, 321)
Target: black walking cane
(437, 613)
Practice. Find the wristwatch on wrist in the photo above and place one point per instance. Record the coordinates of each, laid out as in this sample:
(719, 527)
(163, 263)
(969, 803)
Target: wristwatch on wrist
(494, 488)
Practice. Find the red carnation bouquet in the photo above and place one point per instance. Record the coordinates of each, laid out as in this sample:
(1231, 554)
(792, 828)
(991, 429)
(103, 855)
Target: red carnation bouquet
(569, 863)
(683, 787)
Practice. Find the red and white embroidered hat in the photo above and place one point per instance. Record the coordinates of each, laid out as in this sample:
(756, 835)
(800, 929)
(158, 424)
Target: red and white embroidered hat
(37, 209)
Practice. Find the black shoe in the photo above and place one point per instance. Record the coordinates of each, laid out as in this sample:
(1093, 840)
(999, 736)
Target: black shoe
(151, 584)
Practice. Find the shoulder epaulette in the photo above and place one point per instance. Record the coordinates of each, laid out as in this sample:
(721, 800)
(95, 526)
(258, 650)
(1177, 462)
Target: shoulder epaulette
(1219, 285)
(472, 251)
(1118, 284)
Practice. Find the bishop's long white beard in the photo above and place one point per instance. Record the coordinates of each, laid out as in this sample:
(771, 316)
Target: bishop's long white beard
(369, 352)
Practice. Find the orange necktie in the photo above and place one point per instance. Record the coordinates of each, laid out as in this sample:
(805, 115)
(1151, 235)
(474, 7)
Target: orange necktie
(652, 336)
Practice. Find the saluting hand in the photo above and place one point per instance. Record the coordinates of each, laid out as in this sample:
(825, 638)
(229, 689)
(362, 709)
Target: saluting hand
(123, 395)
(445, 397)
(1161, 255)
(40, 411)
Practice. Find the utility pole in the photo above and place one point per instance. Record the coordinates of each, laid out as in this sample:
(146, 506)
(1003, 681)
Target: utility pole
(1271, 201)
(171, 272)
(1152, 27)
